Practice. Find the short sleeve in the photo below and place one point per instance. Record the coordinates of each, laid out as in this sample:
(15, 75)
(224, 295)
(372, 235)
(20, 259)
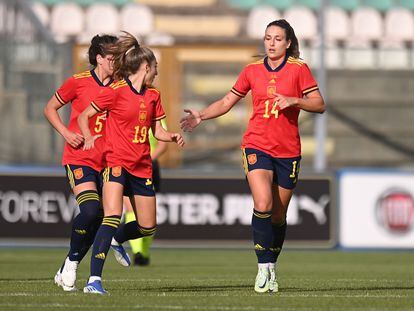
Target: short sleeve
(67, 92)
(306, 80)
(104, 100)
(242, 85)
(159, 110)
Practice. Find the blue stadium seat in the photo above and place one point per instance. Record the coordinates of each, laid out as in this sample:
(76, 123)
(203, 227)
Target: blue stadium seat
(381, 5)
(243, 4)
(346, 4)
(409, 4)
(279, 4)
(312, 4)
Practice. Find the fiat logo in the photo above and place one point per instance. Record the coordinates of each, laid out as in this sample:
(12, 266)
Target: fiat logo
(395, 211)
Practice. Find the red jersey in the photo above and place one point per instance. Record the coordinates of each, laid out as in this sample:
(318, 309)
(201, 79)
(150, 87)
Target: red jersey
(80, 89)
(270, 130)
(130, 116)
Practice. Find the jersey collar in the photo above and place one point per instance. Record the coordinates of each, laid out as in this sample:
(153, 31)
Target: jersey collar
(95, 77)
(278, 68)
(133, 89)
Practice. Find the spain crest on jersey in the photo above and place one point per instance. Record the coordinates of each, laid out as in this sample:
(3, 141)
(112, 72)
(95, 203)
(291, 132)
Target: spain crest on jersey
(252, 158)
(142, 116)
(271, 91)
(78, 173)
(116, 171)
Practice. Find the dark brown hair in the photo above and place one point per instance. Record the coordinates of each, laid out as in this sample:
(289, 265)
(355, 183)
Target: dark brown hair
(293, 49)
(129, 55)
(99, 46)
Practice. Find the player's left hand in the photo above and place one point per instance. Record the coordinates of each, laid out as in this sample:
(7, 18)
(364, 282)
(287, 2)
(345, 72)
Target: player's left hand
(177, 138)
(284, 102)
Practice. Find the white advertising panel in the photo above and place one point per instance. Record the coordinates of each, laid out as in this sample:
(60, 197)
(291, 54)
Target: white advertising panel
(376, 209)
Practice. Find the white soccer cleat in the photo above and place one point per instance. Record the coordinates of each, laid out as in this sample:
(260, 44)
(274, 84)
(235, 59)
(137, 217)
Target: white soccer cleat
(59, 282)
(273, 285)
(68, 273)
(262, 280)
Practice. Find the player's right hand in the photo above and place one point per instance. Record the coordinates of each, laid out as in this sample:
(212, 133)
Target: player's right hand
(73, 139)
(191, 120)
(90, 142)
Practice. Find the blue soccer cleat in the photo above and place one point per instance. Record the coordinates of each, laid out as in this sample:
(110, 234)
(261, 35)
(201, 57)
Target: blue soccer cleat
(121, 255)
(95, 287)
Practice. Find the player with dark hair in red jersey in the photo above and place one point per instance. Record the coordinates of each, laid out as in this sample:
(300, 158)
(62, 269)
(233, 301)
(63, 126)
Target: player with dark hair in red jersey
(281, 86)
(134, 107)
(82, 167)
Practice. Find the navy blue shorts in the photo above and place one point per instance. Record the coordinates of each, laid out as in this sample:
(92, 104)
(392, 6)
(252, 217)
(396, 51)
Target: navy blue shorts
(285, 170)
(133, 185)
(79, 174)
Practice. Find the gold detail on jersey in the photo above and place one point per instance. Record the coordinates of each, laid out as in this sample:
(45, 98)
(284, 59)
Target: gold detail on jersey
(100, 256)
(99, 123)
(116, 171)
(256, 62)
(292, 60)
(142, 116)
(142, 104)
(118, 84)
(160, 117)
(273, 110)
(311, 89)
(153, 89)
(59, 98)
(80, 231)
(81, 75)
(272, 81)
(78, 173)
(140, 135)
(271, 91)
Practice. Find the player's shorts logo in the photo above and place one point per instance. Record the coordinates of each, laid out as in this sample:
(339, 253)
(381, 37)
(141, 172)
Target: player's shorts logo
(148, 182)
(252, 158)
(142, 116)
(116, 171)
(78, 173)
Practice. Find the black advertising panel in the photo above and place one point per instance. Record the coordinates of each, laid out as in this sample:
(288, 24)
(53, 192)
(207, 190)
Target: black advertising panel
(188, 209)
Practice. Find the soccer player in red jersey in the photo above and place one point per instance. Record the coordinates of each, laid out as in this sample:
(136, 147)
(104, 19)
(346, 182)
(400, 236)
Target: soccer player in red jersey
(133, 108)
(281, 86)
(82, 167)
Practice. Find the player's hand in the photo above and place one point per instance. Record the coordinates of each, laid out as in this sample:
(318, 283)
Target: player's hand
(284, 102)
(90, 142)
(177, 138)
(190, 121)
(73, 139)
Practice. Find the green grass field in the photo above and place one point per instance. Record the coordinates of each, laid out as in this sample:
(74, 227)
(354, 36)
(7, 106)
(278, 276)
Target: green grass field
(215, 280)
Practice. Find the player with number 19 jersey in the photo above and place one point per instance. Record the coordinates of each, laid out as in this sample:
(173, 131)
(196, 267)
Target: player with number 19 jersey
(272, 130)
(130, 117)
(80, 89)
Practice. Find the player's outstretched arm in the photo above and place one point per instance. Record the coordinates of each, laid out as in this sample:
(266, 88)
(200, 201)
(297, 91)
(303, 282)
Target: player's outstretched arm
(83, 121)
(161, 134)
(216, 109)
(51, 113)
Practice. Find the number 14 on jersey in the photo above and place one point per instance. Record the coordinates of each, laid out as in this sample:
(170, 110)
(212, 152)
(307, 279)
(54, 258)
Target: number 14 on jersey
(271, 109)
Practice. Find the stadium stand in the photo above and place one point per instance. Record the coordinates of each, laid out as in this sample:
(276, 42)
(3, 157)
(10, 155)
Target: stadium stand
(67, 20)
(243, 4)
(409, 4)
(102, 18)
(41, 12)
(259, 17)
(381, 5)
(280, 4)
(303, 21)
(399, 24)
(346, 4)
(137, 19)
(313, 4)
